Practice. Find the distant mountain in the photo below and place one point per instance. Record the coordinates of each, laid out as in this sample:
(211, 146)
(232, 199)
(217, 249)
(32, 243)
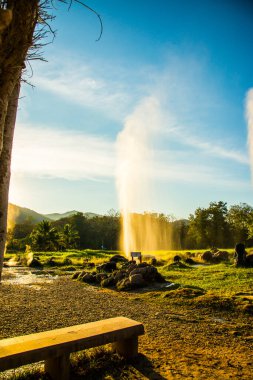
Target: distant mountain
(19, 215)
(57, 216)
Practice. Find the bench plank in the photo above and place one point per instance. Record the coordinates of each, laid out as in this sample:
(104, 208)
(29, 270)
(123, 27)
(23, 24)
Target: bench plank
(32, 348)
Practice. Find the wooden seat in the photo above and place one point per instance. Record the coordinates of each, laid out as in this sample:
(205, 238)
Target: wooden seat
(55, 346)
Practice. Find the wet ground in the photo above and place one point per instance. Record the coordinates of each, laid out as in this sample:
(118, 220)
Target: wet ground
(18, 275)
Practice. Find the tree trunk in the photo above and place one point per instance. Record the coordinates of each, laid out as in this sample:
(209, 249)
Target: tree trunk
(15, 41)
(5, 167)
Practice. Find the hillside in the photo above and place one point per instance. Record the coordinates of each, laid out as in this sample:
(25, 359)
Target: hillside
(57, 216)
(19, 215)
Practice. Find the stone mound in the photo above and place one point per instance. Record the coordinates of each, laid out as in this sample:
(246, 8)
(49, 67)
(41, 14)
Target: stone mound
(215, 258)
(127, 276)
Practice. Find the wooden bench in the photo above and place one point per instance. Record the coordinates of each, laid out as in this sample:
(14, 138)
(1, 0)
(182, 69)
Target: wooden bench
(55, 346)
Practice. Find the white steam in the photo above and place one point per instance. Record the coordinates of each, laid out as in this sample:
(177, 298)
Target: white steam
(134, 155)
(134, 164)
(249, 116)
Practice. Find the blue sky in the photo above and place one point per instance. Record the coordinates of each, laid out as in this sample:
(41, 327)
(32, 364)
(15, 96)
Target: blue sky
(177, 71)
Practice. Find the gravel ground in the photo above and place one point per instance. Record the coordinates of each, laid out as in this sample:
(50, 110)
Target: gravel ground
(180, 342)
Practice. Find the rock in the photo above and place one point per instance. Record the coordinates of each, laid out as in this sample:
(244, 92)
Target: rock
(207, 256)
(107, 267)
(119, 275)
(249, 261)
(88, 278)
(177, 258)
(190, 261)
(118, 258)
(130, 266)
(148, 273)
(153, 261)
(75, 275)
(100, 277)
(136, 280)
(51, 262)
(108, 282)
(33, 262)
(143, 265)
(159, 278)
(221, 256)
(124, 284)
(81, 274)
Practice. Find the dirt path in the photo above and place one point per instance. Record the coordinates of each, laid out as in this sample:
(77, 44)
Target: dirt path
(180, 341)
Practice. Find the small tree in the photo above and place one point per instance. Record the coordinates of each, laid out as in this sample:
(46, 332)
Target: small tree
(45, 237)
(69, 237)
(240, 218)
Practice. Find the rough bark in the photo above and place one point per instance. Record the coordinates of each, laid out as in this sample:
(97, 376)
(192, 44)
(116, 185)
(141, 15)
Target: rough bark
(15, 41)
(5, 167)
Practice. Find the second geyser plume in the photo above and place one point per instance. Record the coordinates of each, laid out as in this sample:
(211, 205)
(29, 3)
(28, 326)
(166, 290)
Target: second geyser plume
(249, 116)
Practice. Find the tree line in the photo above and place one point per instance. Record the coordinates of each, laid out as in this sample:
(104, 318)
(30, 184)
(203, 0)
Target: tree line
(214, 226)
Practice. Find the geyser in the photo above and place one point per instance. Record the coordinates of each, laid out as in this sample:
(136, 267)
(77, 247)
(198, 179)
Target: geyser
(139, 231)
(249, 116)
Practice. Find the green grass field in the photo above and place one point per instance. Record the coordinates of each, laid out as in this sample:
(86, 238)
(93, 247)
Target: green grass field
(218, 279)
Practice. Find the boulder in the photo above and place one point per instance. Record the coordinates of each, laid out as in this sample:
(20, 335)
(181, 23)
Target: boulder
(81, 274)
(108, 282)
(249, 261)
(177, 258)
(148, 273)
(88, 278)
(159, 278)
(51, 262)
(124, 284)
(107, 267)
(118, 259)
(207, 256)
(130, 266)
(221, 256)
(136, 280)
(75, 275)
(190, 261)
(190, 254)
(33, 262)
(153, 261)
(119, 275)
(100, 277)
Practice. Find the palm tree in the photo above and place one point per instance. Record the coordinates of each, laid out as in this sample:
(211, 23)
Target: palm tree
(70, 236)
(45, 237)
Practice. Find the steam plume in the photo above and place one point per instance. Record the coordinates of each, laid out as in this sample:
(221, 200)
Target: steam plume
(249, 116)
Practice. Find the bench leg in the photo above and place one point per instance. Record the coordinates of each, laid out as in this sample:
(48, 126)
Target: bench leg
(58, 367)
(128, 348)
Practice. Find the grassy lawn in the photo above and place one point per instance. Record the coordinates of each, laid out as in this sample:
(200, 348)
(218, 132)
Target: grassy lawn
(217, 279)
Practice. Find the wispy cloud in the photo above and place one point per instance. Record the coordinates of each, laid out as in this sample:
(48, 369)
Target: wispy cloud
(44, 152)
(208, 148)
(109, 92)
(183, 103)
